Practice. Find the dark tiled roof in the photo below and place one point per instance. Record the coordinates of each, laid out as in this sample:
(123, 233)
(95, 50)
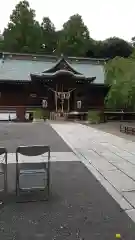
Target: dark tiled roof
(20, 66)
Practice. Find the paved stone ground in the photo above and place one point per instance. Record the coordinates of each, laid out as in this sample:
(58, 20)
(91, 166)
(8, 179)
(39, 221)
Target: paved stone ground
(79, 208)
(15, 134)
(110, 158)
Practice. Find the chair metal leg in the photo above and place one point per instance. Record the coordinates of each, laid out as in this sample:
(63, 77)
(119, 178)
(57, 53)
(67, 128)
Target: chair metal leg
(48, 180)
(5, 174)
(5, 180)
(17, 184)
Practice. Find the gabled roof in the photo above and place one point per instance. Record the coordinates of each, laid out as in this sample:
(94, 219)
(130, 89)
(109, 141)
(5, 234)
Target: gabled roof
(62, 68)
(19, 67)
(62, 64)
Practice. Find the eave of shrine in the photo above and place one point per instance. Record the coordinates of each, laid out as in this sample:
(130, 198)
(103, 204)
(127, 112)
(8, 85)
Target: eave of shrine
(61, 69)
(47, 77)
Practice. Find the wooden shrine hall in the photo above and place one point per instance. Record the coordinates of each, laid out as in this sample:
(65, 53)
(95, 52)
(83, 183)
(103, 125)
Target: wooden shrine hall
(60, 85)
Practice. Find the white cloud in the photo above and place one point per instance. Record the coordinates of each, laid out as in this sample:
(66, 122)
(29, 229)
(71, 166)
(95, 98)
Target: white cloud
(104, 18)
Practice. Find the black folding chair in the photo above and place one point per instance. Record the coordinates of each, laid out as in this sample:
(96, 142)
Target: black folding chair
(3, 167)
(29, 169)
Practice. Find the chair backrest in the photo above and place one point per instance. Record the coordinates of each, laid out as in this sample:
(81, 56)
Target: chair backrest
(3, 150)
(3, 160)
(33, 150)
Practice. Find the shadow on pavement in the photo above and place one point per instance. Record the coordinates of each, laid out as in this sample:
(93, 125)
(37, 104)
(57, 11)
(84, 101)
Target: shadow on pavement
(79, 208)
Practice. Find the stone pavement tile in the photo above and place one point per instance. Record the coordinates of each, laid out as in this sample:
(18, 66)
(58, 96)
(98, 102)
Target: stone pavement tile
(127, 155)
(110, 189)
(120, 181)
(102, 165)
(130, 147)
(131, 214)
(127, 168)
(98, 162)
(120, 158)
(130, 196)
(65, 156)
(115, 149)
(107, 154)
(111, 157)
(119, 162)
(97, 147)
(130, 159)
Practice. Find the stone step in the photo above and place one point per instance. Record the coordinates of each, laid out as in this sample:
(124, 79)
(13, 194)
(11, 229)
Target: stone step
(60, 118)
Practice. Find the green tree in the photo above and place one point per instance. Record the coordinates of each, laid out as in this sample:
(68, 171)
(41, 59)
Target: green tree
(96, 48)
(1, 42)
(49, 35)
(113, 47)
(110, 48)
(120, 75)
(23, 33)
(75, 37)
(133, 41)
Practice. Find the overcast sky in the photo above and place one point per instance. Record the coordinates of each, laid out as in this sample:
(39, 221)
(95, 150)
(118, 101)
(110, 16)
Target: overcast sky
(104, 18)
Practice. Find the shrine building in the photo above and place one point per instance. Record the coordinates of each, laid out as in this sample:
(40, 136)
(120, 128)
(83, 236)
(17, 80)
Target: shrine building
(59, 84)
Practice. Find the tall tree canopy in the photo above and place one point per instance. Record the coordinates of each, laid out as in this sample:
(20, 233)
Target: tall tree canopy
(49, 41)
(75, 37)
(23, 33)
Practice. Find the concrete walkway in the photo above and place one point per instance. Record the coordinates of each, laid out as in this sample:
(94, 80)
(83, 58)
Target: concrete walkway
(111, 160)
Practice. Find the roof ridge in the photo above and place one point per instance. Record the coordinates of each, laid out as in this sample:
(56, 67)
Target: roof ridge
(49, 56)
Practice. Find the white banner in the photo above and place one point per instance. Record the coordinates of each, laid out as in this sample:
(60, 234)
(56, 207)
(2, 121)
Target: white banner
(79, 104)
(44, 103)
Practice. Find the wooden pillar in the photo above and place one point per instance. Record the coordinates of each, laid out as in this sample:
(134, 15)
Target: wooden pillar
(20, 113)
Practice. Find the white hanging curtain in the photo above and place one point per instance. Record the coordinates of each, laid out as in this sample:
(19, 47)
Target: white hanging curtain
(79, 104)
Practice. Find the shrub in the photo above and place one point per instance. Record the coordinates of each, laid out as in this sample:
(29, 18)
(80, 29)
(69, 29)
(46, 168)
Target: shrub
(94, 117)
(38, 113)
(45, 114)
(41, 113)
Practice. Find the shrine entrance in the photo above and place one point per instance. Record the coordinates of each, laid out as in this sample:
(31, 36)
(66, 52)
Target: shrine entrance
(64, 99)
